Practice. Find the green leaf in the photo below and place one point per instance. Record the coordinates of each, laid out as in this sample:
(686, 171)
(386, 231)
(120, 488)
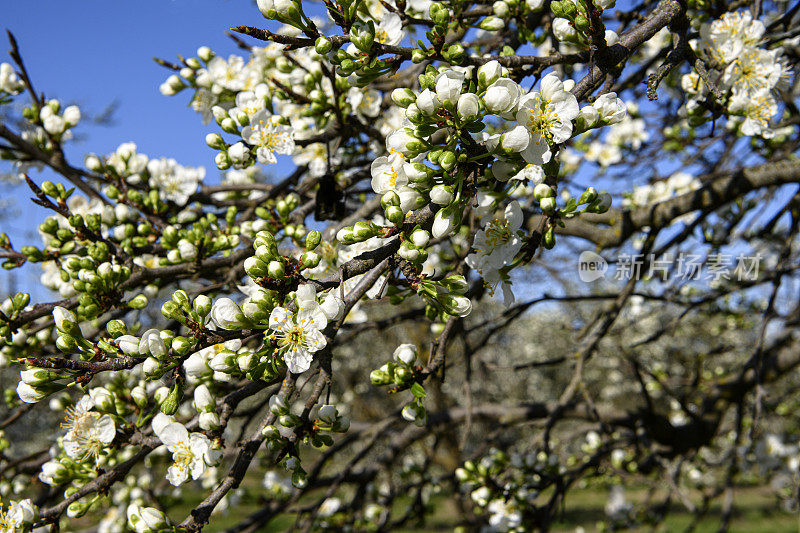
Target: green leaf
(418, 390)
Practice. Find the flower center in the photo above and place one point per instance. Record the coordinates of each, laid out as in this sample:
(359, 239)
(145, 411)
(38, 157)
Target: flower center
(295, 337)
(541, 119)
(759, 110)
(182, 455)
(498, 232)
(6, 524)
(392, 177)
(265, 137)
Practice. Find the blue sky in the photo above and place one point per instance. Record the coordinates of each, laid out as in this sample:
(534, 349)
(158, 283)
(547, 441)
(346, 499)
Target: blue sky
(93, 53)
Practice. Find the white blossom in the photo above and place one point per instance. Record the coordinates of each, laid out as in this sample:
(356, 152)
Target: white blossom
(269, 137)
(88, 432)
(547, 114)
(191, 452)
(298, 336)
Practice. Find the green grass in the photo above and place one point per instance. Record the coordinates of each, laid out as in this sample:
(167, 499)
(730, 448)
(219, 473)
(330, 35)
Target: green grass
(756, 511)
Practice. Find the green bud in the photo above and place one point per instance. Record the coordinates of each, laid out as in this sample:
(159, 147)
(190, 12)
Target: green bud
(548, 205)
(182, 345)
(439, 14)
(543, 190)
(170, 403)
(588, 196)
(202, 305)
(379, 377)
(581, 23)
(116, 328)
(448, 160)
(323, 45)
(313, 239)
(49, 189)
(310, 259)
(549, 239)
(394, 214)
(390, 198)
(138, 302)
(403, 97)
(363, 230)
(601, 204)
(276, 270)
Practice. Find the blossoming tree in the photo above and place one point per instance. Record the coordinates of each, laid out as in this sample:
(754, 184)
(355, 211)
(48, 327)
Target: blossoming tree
(341, 331)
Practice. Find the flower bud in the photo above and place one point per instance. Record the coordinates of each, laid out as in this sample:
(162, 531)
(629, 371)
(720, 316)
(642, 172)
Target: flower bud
(139, 395)
(444, 222)
(202, 305)
(403, 97)
(277, 405)
(601, 204)
(448, 86)
(145, 519)
(102, 398)
(468, 106)
(500, 9)
(492, 23)
(170, 403)
(152, 368)
(54, 473)
(447, 160)
(138, 302)
(488, 73)
(406, 354)
(227, 314)
(313, 239)
(209, 421)
(323, 45)
(548, 205)
(222, 161)
(151, 343)
(345, 235)
(543, 190)
(276, 270)
(327, 414)
(427, 102)
(587, 118)
(379, 377)
(394, 214)
(205, 53)
(255, 267)
(441, 194)
(203, 400)
(456, 305)
(408, 252)
(420, 238)
(214, 140)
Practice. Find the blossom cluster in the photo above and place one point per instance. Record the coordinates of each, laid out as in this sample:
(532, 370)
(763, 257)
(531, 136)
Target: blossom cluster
(747, 73)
